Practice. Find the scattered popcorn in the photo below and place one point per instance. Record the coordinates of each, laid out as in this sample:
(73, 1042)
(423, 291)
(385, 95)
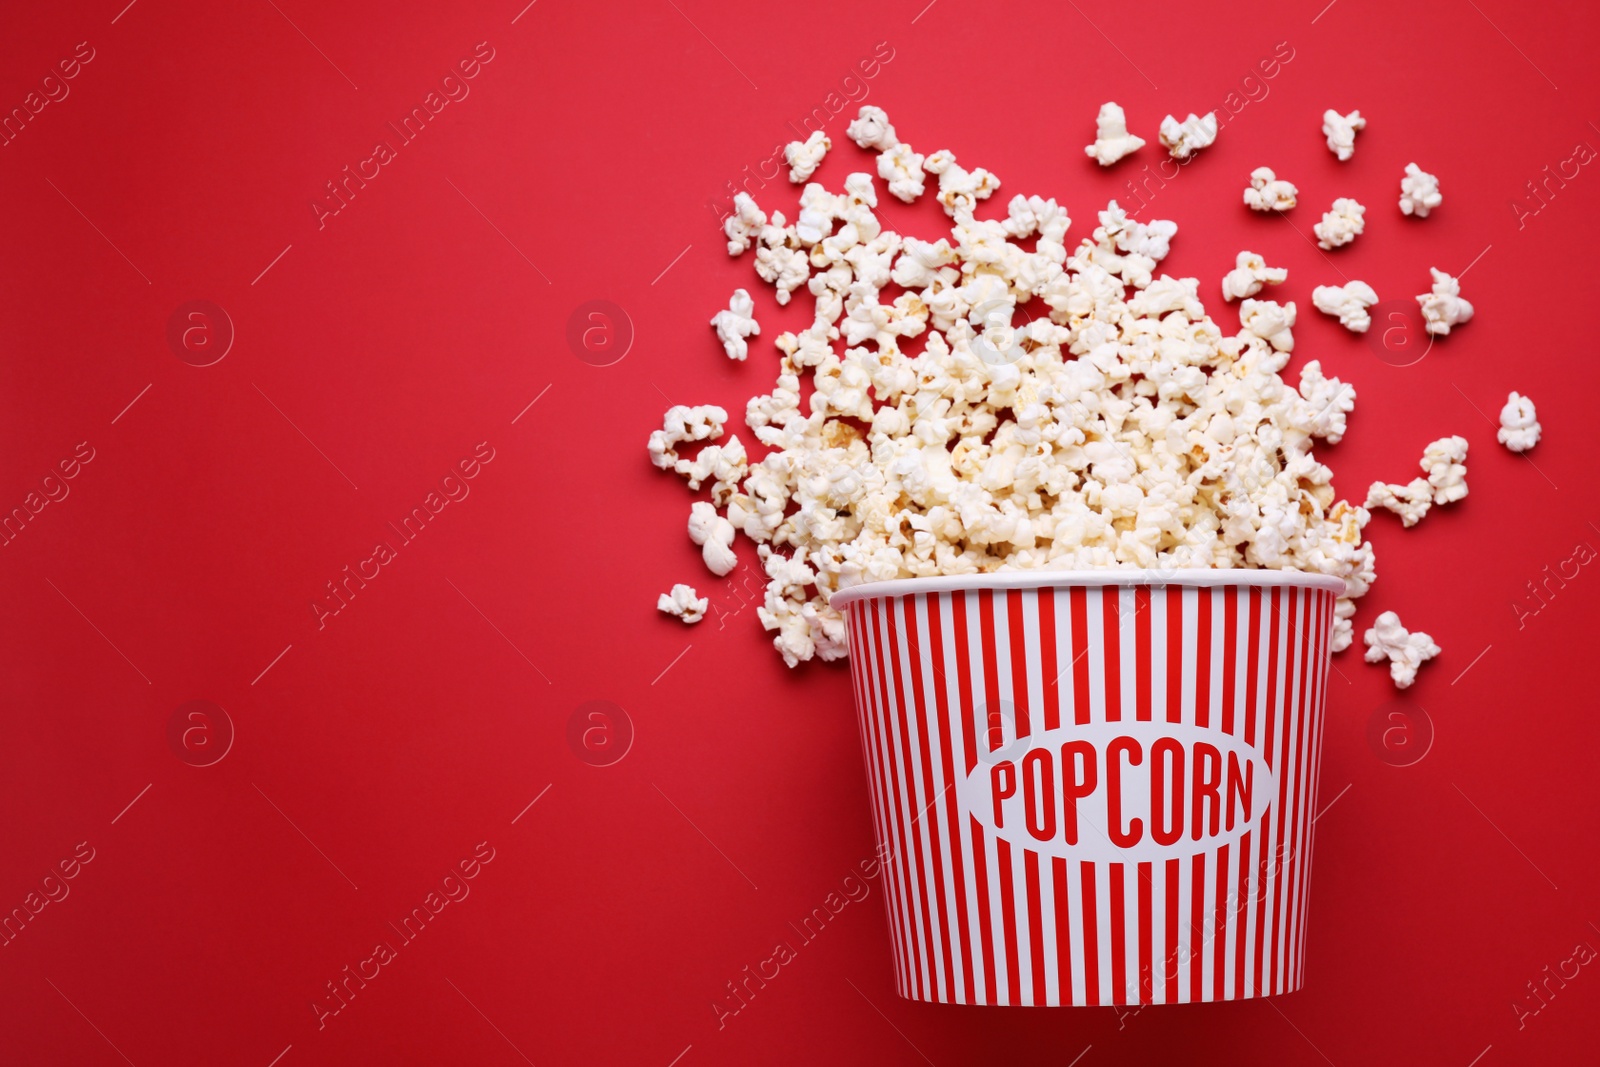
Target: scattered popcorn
(715, 536)
(1410, 501)
(1419, 192)
(804, 157)
(1445, 463)
(1519, 424)
(1340, 131)
(1184, 139)
(1267, 192)
(1112, 140)
(1249, 274)
(1342, 224)
(735, 323)
(1348, 302)
(745, 222)
(902, 169)
(1269, 321)
(1330, 401)
(1405, 651)
(871, 130)
(1065, 408)
(959, 190)
(1443, 307)
(684, 424)
(684, 603)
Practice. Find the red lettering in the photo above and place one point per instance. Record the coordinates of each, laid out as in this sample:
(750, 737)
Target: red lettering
(1165, 801)
(1241, 786)
(1114, 751)
(1207, 806)
(1039, 801)
(1003, 783)
(1078, 770)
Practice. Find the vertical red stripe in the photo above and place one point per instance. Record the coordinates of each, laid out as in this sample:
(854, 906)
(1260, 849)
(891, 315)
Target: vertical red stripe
(972, 728)
(1230, 656)
(952, 840)
(1219, 930)
(1147, 928)
(1049, 674)
(1091, 936)
(927, 801)
(1271, 711)
(1175, 653)
(1141, 636)
(1253, 665)
(1202, 661)
(1111, 627)
(980, 877)
(1008, 918)
(1197, 924)
(1261, 901)
(1080, 655)
(1119, 936)
(1031, 861)
(905, 772)
(1241, 916)
(1171, 964)
(1063, 913)
(1285, 772)
(1017, 640)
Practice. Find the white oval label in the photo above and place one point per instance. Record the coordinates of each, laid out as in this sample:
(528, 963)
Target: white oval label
(1121, 791)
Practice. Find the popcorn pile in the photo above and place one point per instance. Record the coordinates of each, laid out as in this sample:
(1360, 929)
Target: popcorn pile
(997, 400)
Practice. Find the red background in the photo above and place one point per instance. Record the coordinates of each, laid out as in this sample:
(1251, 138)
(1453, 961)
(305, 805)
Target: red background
(375, 753)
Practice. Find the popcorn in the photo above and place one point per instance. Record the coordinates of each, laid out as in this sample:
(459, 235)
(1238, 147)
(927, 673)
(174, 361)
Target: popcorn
(682, 424)
(1419, 192)
(1410, 501)
(959, 190)
(1267, 192)
(1445, 463)
(804, 157)
(735, 323)
(1519, 424)
(1112, 140)
(1329, 401)
(1184, 139)
(872, 130)
(1065, 408)
(1406, 652)
(1341, 224)
(1443, 307)
(1340, 130)
(745, 222)
(1249, 274)
(684, 603)
(1269, 321)
(1349, 302)
(715, 536)
(902, 169)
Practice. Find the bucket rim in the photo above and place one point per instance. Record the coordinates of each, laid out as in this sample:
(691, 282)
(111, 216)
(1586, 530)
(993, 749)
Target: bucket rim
(1195, 577)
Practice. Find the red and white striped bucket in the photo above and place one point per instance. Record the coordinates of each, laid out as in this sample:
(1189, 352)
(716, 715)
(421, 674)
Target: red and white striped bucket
(1094, 787)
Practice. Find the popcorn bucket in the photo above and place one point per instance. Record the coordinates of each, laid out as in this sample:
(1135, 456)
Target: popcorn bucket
(1094, 787)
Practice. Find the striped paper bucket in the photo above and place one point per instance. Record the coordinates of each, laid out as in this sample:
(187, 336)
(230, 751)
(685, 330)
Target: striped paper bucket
(1095, 787)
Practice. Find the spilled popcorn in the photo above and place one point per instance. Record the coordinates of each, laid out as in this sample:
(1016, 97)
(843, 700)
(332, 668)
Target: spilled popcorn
(1406, 652)
(684, 603)
(1519, 424)
(996, 400)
